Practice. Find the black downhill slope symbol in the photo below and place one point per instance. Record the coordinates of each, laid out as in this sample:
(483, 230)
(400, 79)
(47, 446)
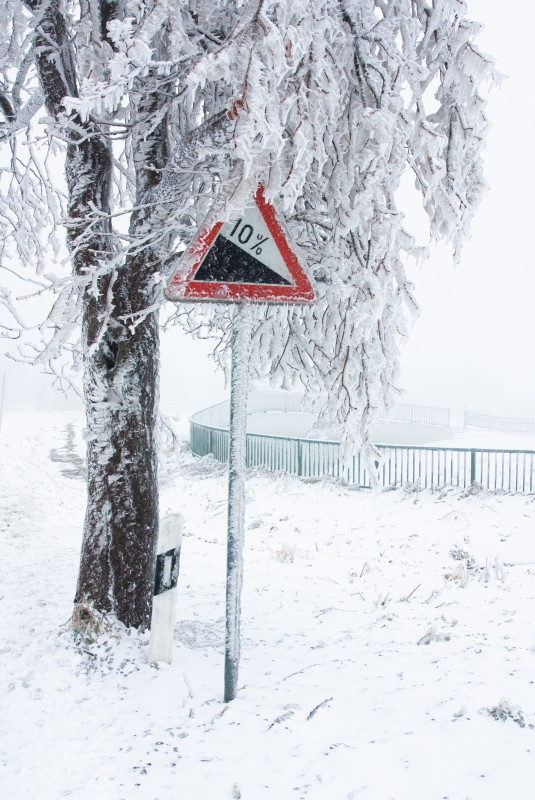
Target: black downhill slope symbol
(227, 263)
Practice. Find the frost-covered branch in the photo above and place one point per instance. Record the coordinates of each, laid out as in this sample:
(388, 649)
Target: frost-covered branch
(330, 103)
(184, 105)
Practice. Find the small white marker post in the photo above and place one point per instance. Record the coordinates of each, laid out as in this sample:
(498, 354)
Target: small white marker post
(239, 384)
(165, 591)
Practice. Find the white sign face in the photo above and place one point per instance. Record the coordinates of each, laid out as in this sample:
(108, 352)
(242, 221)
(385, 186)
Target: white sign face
(244, 251)
(251, 234)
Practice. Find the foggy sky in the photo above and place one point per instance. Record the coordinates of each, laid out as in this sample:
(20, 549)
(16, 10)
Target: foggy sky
(472, 345)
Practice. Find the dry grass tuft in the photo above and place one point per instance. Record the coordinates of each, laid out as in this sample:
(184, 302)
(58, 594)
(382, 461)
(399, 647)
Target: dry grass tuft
(90, 624)
(285, 554)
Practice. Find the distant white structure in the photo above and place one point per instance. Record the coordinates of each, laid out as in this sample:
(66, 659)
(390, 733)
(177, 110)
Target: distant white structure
(284, 414)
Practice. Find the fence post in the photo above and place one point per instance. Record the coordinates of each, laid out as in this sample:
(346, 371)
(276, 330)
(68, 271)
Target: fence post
(192, 436)
(472, 466)
(299, 457)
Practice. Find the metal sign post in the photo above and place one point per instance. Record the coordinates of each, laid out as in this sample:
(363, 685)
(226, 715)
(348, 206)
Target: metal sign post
(239, 385)
(243, 260)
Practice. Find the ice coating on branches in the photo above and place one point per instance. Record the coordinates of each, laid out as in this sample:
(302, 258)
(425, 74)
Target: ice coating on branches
(326, 103)
(331, 102)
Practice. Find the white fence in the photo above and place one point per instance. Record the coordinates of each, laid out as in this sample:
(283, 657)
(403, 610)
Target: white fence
(492, 423)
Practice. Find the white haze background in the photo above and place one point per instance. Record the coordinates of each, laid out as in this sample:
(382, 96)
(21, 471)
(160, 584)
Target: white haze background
(471, 346)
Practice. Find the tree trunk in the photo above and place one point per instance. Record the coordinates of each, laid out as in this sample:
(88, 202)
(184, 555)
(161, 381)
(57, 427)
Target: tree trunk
(120, 363)
(121, 391)
(121, 523)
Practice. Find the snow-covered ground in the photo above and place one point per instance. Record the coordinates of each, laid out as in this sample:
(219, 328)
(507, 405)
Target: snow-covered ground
(388, 642)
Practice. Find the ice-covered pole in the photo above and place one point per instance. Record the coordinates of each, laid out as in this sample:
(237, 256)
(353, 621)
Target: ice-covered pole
(241, 341)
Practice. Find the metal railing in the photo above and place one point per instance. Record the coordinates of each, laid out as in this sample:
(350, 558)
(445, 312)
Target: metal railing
(422, 467)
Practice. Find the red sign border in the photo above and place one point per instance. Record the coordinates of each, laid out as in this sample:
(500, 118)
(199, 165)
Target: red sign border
(183, 287)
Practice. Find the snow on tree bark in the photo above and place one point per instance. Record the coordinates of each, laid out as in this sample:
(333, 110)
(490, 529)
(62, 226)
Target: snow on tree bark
(122, 517)
(121, 527)
(121, 524)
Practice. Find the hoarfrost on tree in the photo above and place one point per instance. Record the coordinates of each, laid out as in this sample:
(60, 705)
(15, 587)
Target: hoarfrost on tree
(330, 103)
(161, 110)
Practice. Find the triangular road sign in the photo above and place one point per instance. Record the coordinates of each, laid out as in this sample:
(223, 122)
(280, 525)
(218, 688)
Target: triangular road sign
(247, 258)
